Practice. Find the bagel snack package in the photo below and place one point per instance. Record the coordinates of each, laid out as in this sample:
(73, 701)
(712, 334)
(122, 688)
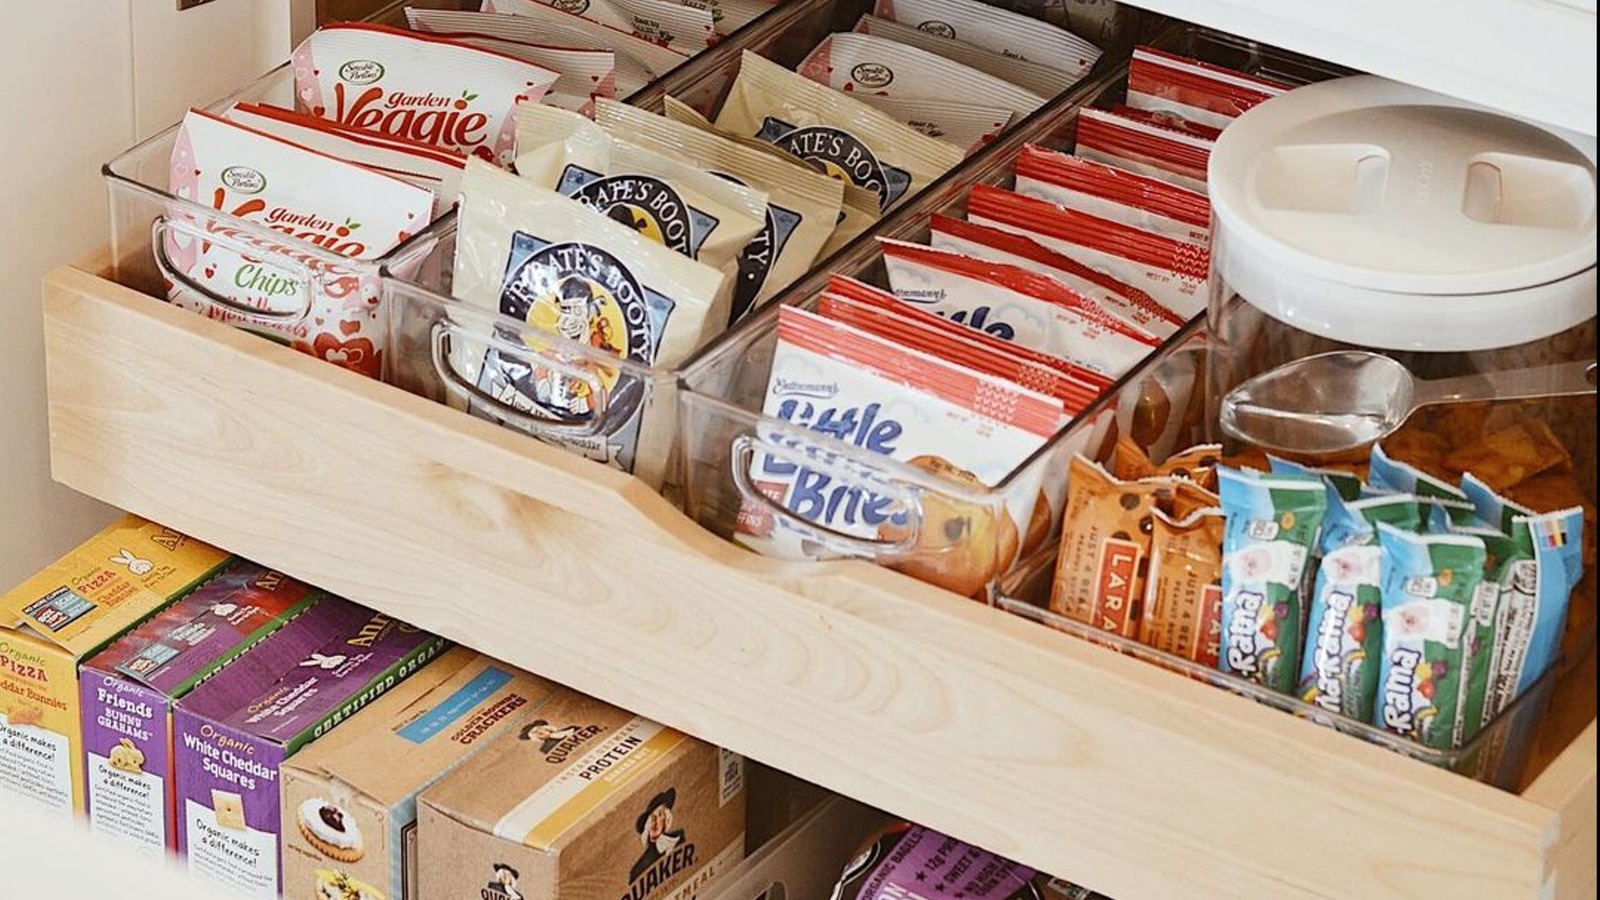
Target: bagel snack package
(277, 287)
(667, 200)
(416, 86)
(1144, 147)
(902, 861)
(1198, 92)
(967, 126)
(1105, 548)
(1016, 305)
(583, 68)
(858, 63)
(545, 259)
(965, 429)
(1107, 192)
(835, 133)
(802, 205)
(1272, 527)
(1039, 79)
(1182, 609)
(996, 30)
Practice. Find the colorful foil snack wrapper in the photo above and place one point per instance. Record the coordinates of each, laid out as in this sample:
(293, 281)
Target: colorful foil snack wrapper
(1536, 590)
(1105, 548)
(1182, 612)
(908, 862)
(1272, 527)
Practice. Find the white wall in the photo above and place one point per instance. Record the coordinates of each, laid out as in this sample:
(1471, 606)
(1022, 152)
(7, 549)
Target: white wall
(82, 80)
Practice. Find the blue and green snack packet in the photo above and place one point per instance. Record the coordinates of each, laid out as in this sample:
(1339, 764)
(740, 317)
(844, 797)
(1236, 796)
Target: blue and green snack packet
(1500, 555)
(1536, 585)
(1343, 484)
(1428, 584)
(1344, 635)
(1271, 530)
(1447, 505)
(1490, 508)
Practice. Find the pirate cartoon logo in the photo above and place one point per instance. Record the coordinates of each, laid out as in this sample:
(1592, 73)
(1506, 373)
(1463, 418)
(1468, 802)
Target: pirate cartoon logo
(657, 833)
(838, 154)
(646, 205)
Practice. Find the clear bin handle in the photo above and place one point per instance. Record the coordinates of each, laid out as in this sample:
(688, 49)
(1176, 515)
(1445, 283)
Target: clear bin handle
(301, 272)
(746, 446)
(556, 429)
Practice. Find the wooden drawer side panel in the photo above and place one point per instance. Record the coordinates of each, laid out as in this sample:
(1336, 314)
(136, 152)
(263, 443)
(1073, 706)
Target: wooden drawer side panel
(1568, 787)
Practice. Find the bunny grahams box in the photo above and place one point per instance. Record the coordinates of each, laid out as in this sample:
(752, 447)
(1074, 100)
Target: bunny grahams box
(129, 689)
(66, 612)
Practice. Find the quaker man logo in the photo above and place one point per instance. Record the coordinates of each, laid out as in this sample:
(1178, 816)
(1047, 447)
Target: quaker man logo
(667, 851)
(872, 75)
(936, 27)
(645, 204)
(838, 154)
(502, 885)
(557, 743)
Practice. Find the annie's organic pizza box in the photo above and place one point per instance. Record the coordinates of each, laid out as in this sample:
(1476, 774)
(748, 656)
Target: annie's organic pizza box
(585, 802)
(232, 733)
(66, 612)
(129, 690)
(350, 799)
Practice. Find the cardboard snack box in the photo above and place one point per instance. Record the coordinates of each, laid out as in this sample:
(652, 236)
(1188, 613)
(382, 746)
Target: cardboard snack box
(350, 799)
(234, 731)
(129, 690)
(587, 802)
(50, 622)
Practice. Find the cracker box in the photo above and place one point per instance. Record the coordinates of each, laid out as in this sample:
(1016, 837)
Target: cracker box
(129, 689)
(58, 617)
(585, 802)
(350, 799)
(233, 732)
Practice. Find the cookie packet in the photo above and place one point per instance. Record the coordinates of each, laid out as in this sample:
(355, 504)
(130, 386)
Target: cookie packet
(964, 125)
(537, 256)
(1016, 305)
(864, 64)
(996, 30)
(272, 287)
(1182, 610)
(667, 200)
(639, 61)
(678, 27)
(583, 68)
(802, 205)
(415, 86)
(1039, 79)
(1272, 526)
(1174, 272)
(1107, 192)
(1122, 300)
(1210, 95)
(1428, 586)
(1105, 548)
(835, 133)
(906, 860)
(1143, 148)
(965, 429)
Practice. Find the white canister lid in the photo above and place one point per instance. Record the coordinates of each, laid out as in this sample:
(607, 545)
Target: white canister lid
(1381, 214)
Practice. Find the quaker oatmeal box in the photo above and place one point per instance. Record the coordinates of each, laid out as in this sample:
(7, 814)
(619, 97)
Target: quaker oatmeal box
(350, 799)
(234, 732)
(584, 802)
(130, 687)
(77, 605)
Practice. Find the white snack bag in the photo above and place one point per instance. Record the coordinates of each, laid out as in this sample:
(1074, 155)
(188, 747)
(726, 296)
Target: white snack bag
(860, 64)
(968, 127)
(802, 205)
(683, 29)
(653, 60)
(418, 87)
(997, 30)
(1041, 80)
(537, 256)
(836, 133)
(583, 72)
(692, 211)
(268, 182)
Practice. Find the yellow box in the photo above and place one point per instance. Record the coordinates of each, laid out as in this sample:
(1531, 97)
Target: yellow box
(49, 623)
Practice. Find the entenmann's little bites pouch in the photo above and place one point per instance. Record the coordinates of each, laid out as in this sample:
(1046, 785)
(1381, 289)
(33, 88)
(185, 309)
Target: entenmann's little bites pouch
(1164, 82)
(842, 136)
(415, 86)
(1110, 193)
(1141, 146)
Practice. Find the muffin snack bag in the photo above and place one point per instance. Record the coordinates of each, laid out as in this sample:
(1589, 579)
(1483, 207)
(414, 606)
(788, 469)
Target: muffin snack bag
(1272, 526)
(1210, 95)
(902, 861)
(1105, 548)
(1428, 585)
(996, 30)
(678, 27)
(863, 64)
(667, 200)
(1039, 79)
(415, 86)
(638, 61)
(1135, 145)
(539, 257)
(1182, 612)
(967, 126)
(1014, 304)
(1174, 272)
(283, 188)
(802, 205)
(583, 69)
(1122, 300)
(833, 132)
(1344, 634)
(1108, 192)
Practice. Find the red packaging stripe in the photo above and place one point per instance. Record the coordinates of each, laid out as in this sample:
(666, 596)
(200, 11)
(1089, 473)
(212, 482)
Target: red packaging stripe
(1169, 121)
(1194, 83)
(1111, 183)
(1123, 137)
(356, 135)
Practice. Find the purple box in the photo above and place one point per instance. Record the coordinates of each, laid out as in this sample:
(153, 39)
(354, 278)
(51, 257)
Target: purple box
(233, 731)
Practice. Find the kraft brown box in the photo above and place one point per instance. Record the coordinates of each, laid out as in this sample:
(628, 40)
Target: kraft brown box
(586, 802)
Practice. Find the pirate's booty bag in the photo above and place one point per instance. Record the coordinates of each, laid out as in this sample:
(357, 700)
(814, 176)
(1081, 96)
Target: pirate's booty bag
(578, 291)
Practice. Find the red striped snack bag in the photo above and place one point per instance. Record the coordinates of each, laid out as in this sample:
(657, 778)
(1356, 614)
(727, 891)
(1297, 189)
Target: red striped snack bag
(583, 70)
(1119, 298)
(1173, 272)
(678, 27)
(1199, 92)
(1144, 147)
(964, 430)
(266, 285)
(997, 30)
(1042, 80)
(422, 88)
(1014, 304)
(1111, 193)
